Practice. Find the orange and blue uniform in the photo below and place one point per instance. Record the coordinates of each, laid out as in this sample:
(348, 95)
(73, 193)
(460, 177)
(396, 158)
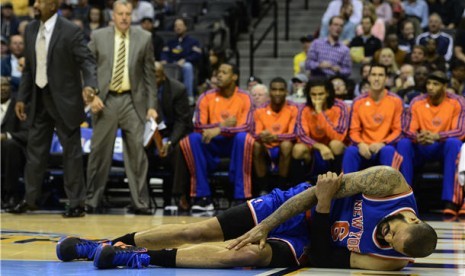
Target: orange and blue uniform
(374, 122)
(212, 109)
(446, 119)
(331, 124)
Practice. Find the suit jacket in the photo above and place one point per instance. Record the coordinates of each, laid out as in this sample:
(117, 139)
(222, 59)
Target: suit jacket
(13, 125)
(68, 62)
(174, 107)
(140, 65)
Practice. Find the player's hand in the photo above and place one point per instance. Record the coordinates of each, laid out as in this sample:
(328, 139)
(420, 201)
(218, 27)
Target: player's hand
(318, 104)
(266, 136)
(209, 134)
(364, 150)
(88, 94)
(231, 121)
(376, 147)
(257, 234)
(327, 186)
(20, 111)
(336, 68)
(96, 105)
(152, 113)
(325, 152)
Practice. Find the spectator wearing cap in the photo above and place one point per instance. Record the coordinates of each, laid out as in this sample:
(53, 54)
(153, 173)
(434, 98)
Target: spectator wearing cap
(444, 41)
(142, 9)
(299, 59)
(252, 81)
(10, 64)
(327, 56)
(297, 93)
(9, 22)
(434, 127)
(364, 46)
(147, 24)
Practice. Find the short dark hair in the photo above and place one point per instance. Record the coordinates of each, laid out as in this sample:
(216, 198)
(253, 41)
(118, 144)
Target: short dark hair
(376, 64)
(421, 241)
(234, 67)
(371, 19)
(336, 16)
(320, 82)
(279, 80)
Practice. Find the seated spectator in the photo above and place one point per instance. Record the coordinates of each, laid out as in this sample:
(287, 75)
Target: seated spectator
(375, 126)
(297, 93)
(348, 31)
(13, 142)
(10, 64)
(9, 22)
(378, 28)
(216, 57)
(434, 129)
(444, 41)
(223, 119)
(450, 11)
(259, 95)
(321, 129)
(387, 58)
(457, 81)
(186, 52)
(252, 81)
(334, 9)
(364, 70)
(67, 11)
(4, 47)
(420, 76)
(20, 7)
(94, 20)
(327, 56)
(405, 79)
(299, 59)
(392, 42)
(142, 9)
(364, 46)
(407, 36)
(417, 9)
(434, 60)
(341, 89)
(274, 137)
(147, 24)
(383, 10)
(418, 56)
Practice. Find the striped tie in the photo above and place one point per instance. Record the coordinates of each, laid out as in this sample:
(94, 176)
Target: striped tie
(119, 69)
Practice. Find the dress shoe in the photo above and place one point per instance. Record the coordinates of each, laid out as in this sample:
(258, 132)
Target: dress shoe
(143, 211)
(22, 207)
(75, 212)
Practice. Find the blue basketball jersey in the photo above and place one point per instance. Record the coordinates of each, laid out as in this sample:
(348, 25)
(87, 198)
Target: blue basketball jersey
(354, 222)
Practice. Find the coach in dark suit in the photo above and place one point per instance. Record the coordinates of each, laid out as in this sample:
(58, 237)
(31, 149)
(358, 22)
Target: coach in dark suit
(127, 98)
(13, 138)
(175, 113)
(56, 61)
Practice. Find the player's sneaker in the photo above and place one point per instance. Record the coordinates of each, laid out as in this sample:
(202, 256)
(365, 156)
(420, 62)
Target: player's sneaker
(203, 204)
(72, 248)
(108, 256)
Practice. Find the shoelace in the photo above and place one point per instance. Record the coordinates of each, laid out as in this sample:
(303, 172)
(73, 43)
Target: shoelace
(131, 258)
(86, 249)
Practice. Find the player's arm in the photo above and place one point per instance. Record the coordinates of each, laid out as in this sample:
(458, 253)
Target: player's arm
(364, 261)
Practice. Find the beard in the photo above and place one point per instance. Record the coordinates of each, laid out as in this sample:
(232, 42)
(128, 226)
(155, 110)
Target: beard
(385, 223)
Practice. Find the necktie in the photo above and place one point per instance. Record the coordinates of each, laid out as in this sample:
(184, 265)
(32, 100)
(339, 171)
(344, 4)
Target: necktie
(119, 68)
(41, 58)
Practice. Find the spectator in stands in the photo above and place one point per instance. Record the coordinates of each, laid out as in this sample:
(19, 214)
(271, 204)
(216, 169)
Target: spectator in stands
(274, 137)
(435, 60)
(223, 118)
(297, 94)
(176, 116)
(9, 22)
(10, 65)
(375, 126)
(444, 41)
(417, 9)
(81, 10)
(348, 31)
(327, 56)
(4, 47)
(420, 76)
(341, 89)
(364, 71)
(321, 128)
(392, 42)
(20, 7)
(418, 55)
(22, 27)
(378, 28)
(142, 9)
(387, 58)
(252, 81)
(457, 82)
(334, 9)
(66, 11)
(13, 142)
(450, 11)
(95, 19)
(407, 36)
(434, 127)
(459, 41)
(186, 52)
(259, 95)
(216, 57)
(364, 46)
(405, 79)
(127, 98)
(300, 58)
(383, 10)
(147, 24)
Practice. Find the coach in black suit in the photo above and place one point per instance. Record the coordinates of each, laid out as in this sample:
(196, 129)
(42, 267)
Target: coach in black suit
(57, 58)
(175, 113)
(13, 140)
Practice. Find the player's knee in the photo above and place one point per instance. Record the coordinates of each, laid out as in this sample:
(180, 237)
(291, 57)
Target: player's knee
(257, 149)
(337, 147)
(299, 151)
(453, 143)
(286, 148)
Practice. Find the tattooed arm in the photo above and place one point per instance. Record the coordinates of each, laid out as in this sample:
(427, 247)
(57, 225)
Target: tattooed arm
(378, 181)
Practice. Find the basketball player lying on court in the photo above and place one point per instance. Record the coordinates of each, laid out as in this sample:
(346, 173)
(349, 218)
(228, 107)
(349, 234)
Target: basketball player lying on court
(366, 219)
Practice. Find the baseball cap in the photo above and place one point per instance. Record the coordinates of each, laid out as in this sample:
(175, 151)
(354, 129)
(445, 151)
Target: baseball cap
(300, 78)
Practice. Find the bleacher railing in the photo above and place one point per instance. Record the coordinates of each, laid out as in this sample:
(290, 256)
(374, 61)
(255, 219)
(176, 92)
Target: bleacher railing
(273, 26)
(286, 19)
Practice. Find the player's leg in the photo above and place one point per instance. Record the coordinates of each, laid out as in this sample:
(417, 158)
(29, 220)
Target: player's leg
(285, 154)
